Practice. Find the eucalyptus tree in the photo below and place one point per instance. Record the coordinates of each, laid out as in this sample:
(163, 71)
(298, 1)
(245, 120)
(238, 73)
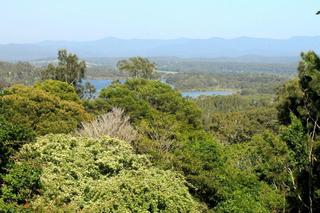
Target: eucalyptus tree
(138, 67)
(69, 69)
(299, 102)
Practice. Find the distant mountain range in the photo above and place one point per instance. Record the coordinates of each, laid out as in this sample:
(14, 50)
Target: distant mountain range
(243, 47)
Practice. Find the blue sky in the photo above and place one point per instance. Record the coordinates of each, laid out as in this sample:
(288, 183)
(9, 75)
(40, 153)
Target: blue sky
(78, 20)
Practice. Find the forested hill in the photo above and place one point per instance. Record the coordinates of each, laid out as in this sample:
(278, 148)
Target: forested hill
(183, 47)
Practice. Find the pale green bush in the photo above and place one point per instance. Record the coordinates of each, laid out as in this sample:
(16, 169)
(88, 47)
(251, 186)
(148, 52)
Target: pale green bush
(102, 175)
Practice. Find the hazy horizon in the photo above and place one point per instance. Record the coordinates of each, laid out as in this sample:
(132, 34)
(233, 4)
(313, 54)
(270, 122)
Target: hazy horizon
(164, 39)
(35, 21)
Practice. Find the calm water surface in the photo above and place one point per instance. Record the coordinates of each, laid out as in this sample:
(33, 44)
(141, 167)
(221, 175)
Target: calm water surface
(100, 84)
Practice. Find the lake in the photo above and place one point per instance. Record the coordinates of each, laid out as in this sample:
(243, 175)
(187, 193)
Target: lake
(100, 84)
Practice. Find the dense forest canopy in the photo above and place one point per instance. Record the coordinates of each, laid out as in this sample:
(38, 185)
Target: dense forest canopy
(141, 146)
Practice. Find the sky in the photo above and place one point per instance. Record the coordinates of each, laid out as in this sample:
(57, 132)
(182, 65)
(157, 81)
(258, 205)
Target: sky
(28, 21)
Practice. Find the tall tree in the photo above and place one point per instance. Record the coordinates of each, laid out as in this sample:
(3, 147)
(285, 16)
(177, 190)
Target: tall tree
(300, 98)
(138, 67)
(69, 69)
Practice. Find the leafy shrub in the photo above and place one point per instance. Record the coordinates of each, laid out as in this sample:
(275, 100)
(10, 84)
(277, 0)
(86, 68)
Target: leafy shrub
(140, 98)
(101, 175)
(12, 137)
(63, 90)
(41, 111)
(21, 183)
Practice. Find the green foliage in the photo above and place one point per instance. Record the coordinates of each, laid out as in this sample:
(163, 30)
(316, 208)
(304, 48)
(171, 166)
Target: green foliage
(169, 125)
(161, 115)
(94, 175)
(266, 156)
(244, 202)
(298, 105)
(60, 89)
(138, 67)
(11, 132)
(295, 137)
(252, 176)
(171, 133)
(199, 159)
(69, 69)
(41, 111)
(297, 141)
(12, 137)
(235, 118)
(248, 83)
(270, 158)
(232, 103)
(224, 181)
(301, 96)
(289, 99)
(21, 183)
(120, 96)
(140, 98)
(240, 126)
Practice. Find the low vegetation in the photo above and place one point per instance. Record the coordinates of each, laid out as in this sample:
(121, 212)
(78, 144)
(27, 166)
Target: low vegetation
(92, 175)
